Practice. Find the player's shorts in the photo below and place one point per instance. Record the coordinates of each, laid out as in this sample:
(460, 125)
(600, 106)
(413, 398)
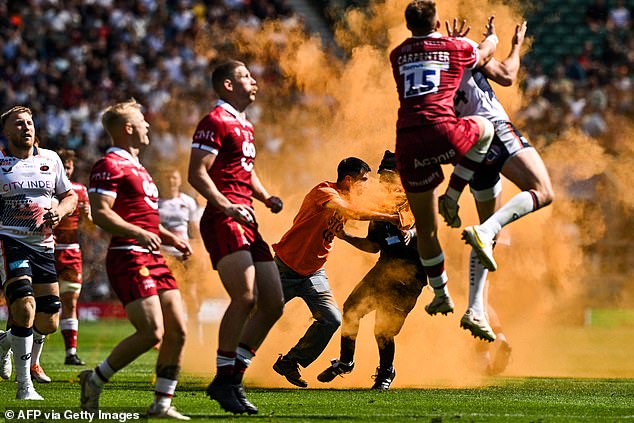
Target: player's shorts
(137, 274)
(68, 264)
(223, 235)
(17, 259)
(507, 142)
(421, 150)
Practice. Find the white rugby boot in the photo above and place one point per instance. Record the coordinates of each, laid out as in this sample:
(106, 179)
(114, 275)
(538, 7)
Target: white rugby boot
(482, 245)
(442, 304)
(477, 325)
(26, 391)
(170, 412)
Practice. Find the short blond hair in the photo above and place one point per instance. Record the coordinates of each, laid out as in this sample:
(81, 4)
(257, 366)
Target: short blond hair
(115, 116)
(15, 109)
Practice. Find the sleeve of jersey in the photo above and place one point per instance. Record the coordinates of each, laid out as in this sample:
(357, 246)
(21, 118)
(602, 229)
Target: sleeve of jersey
(324, 195)
(62, 184)
(208, 136)
(105, 178)
(469, 51)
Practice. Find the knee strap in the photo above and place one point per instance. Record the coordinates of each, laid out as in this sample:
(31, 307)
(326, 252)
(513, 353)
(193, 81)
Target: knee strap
(20, 288)
(47, 304)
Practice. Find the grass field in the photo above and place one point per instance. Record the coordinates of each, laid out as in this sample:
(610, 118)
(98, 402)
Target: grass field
(506, 399)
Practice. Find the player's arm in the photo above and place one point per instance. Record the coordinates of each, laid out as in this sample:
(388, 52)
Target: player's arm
(486, 48)
(348, 210)
(200, 162)
(66, 206)
(363, 244)
(169, 238)
(259, 192)
(106, 218)
(505, 72)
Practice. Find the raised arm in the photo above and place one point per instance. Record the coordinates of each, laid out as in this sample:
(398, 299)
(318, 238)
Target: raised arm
(348, 210)
(505, 72)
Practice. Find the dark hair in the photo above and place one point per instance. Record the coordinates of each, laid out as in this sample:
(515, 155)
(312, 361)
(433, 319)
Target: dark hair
(351, 166)
(420, 16)
(222, 72)
(66, 155)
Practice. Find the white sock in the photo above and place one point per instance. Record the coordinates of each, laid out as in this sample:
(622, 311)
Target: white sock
(68, 324)
(477, 282)
(520, 205)
(103, 371)
(164, 391)
(22, 347)
(38, 344)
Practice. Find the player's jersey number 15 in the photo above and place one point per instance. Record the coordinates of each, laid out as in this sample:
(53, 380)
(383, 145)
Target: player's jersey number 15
(421, 78)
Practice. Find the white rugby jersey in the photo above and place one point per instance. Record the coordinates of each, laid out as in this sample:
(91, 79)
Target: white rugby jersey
(27, 187)
(175, 214)
(476, 97)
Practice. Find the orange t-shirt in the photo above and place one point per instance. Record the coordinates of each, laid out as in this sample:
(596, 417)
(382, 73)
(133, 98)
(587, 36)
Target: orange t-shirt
(305, 246)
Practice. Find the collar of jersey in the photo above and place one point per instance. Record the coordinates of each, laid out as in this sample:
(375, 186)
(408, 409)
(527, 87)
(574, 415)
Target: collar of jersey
(125, 154)
(228, 107)
(7, 153)
(435, 34)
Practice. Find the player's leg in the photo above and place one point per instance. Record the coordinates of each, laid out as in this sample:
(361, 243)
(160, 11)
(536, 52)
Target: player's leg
(503, 351)
(237, 273)
(168, 364)
(316, 293)
(19, 339)
(146, 316)
(359, 303)
(269, 308)
(465, 168)
(527, 171)
(69, 323)
(47, 306)
(425, 209)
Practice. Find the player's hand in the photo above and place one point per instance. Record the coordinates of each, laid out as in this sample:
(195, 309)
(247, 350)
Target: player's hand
(407, 235)
(51, 217)
(274, 204)
(448, 209)
(455, 31)
(241, 213)
(183, 246)
(84, 206)
(148, 239)
(490, 27)
(520, 33)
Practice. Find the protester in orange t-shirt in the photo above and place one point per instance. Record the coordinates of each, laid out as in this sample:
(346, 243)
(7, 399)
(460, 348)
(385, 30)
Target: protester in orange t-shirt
(302, 253)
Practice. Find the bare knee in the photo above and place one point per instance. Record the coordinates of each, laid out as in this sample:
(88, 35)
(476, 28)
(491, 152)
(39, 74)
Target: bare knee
(545, 195)
(46, 323)
(176, 336)
(151, 336)
(246, 301)
(23, 311)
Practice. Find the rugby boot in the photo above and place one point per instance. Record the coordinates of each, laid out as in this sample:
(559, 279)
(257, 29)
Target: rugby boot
(90, 392)
(26, 391)
(38, 375)
(225, 395)
(170, 412)
(5, 357)
(482, 245)
(477, 325)
(73, 360)
(383, 378)
(442, 304)
(336, 368)
(290, 370)
(242, 398)
(448, 209)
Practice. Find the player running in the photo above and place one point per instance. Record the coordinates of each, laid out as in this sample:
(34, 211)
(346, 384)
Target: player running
(221, 169)
(68, 260)
(124, 201)
(427, 68)
(391, 287)
(29, 176)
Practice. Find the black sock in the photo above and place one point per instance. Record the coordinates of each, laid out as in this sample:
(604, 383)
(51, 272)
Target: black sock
(386, 352)
(347, 349)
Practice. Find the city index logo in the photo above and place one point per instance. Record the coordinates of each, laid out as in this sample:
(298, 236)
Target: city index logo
(440, 159)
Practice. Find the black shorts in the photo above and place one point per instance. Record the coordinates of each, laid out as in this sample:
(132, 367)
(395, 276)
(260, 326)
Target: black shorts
(17, 259)
(507, 142)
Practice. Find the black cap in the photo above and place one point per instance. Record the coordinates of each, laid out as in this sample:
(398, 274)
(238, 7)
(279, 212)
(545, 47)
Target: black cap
(388, 162)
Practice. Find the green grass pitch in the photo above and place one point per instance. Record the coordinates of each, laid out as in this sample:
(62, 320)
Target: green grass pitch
(507, 399)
